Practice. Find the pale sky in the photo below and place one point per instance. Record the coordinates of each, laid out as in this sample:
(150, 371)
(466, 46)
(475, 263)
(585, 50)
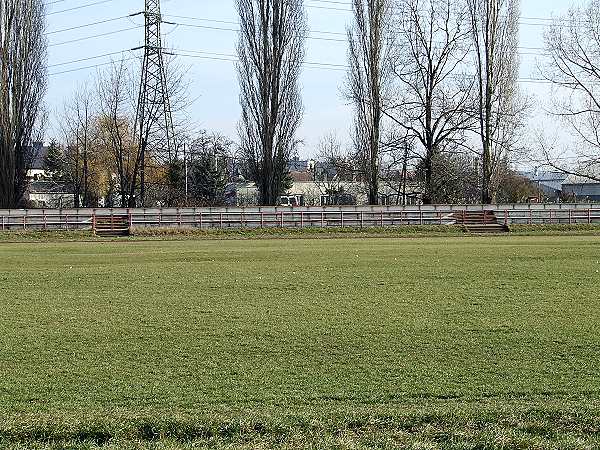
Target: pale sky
(205, 28)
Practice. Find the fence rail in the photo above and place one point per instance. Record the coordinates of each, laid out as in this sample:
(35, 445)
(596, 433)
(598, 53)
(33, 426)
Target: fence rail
(276, 217)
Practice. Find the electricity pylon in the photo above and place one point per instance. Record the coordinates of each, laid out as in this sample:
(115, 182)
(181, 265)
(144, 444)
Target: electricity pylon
(154, 121)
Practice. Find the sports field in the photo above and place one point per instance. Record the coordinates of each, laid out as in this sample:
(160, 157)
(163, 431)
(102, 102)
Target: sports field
(455, 342)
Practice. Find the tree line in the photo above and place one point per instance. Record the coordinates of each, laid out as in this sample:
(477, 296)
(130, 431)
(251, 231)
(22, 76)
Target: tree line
(434, 86)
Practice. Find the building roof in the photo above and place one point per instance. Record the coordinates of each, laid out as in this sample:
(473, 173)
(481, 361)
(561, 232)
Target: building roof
(38, 158)
(575, 179)
(550, 179)
(301, 176)
(592, 171)
(298, 165)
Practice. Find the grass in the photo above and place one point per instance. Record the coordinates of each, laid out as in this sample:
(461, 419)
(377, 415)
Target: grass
(187, 233)
(339, 343)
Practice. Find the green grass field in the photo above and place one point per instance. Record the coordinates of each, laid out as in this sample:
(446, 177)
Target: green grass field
(341, 343)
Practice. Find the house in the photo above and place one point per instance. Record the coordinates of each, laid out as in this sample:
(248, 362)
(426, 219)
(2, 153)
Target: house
(41, 191)
(319, 183)
(50, 194)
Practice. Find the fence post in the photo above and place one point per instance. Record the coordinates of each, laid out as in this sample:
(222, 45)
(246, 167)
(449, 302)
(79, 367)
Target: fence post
(301, 219)
(282, 213)
(342, 218)
(322, 219)
(220, 220)
(67, 222)
(45, 221)
(262, 218)
(505, 217)
(2, 223)
(362, 219)
(130, 219)
(381, 218)
(420, 217)
(200, 219)
(530, 216)
(24, 222)
(440, 214)
(94, 222)
(570, 217)
(589, 216)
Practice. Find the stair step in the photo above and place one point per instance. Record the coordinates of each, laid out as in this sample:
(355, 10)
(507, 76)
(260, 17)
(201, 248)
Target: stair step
(112, 226)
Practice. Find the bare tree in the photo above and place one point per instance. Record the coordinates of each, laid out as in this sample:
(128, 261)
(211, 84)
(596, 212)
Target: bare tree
(117, 130)
(78, 123)
(334, 170)
(500, 109)
(398, 162)
(160, 147)
(368, 76)
(432, 99)
(22, 87)
(573, 47)
(271, 52)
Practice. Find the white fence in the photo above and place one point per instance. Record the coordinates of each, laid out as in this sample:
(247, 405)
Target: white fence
(299, 217)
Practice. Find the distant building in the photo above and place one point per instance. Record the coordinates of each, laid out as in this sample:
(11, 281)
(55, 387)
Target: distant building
(582, 188)
(37, 167)
(49, 194)
(549, 182)
(42, 192)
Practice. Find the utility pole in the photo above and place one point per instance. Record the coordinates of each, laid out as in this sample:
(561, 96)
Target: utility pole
(185, 162)
(154, 119)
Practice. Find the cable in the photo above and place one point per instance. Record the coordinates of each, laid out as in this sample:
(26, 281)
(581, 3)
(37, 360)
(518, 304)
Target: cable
(233, 58)
(317, 38)
(90, 67)
(546, 19)
(78, 7)
(96, 36)
(86, 59)
(87, 25)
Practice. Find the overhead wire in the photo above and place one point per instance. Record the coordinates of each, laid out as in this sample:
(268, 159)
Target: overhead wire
(51, 13)
(530, 51)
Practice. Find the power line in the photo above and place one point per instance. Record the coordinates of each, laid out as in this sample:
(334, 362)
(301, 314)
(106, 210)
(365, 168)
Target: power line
(95, 36)
(95, 66)
(91, 24)
(553, 21)
(197, 54)
(78, 7)
(86, 59)
(318, 38)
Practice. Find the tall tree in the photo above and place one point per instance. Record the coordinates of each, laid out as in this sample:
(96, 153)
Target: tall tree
(78, 124)
(117, 132)
(368, 76)
(432, 100)
(22, 87)
(573, 46)
(495, 31)
(271, 52)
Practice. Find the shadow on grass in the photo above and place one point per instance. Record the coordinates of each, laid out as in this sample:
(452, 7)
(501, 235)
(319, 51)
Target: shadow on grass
(461, 426)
